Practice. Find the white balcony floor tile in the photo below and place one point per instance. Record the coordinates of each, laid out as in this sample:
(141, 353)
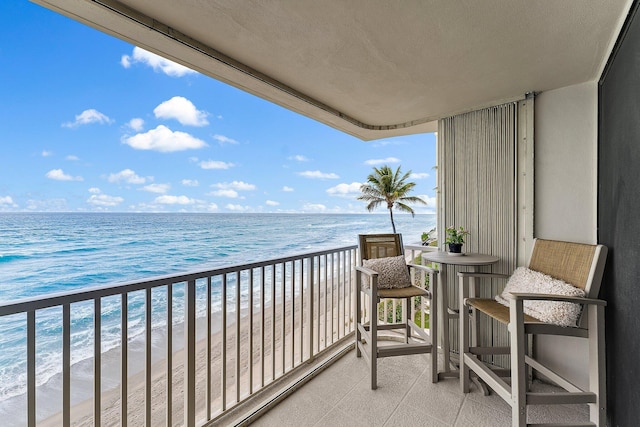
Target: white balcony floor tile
(341, 396)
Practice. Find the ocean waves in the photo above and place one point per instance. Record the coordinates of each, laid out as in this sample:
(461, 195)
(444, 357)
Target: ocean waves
(50, 253)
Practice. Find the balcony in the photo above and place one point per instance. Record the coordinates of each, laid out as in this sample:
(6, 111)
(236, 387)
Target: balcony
(266, 343)
(341, 396)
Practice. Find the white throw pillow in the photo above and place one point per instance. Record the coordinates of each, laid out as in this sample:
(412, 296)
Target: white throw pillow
(524, 280)
(392, 272)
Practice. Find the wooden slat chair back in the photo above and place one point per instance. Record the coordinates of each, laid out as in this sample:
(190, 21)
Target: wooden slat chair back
(567, 261)
(580, 265)
(373, 246)
(380, 246)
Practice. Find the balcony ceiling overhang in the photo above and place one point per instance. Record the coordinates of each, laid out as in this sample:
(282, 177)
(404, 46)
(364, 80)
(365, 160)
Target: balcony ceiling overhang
(371, 68)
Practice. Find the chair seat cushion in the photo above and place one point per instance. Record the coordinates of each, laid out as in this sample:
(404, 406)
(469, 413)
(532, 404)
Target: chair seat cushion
(410, 291)
(392, 272)
(496, 310)
(525, 280)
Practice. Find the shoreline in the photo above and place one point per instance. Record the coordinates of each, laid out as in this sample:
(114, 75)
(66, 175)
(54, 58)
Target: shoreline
(82, 412)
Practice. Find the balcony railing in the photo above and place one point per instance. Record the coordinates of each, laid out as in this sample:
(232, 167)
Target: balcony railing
(183, 348)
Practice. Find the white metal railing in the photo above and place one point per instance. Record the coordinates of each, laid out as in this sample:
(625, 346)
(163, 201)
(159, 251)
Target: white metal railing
(238, 328)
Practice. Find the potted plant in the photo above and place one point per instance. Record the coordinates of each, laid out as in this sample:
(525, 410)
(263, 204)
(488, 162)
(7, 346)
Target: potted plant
(455, 239)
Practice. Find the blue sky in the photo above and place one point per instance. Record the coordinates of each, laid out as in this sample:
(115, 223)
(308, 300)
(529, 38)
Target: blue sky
(91, 123)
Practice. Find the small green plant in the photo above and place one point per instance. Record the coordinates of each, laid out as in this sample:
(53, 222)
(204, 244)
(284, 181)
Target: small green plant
(429, 238)
(456, 235)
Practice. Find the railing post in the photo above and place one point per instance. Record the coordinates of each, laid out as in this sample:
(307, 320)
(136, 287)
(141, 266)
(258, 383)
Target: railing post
(190, 354)
(97, 362)
(31, 368)
(124, 357)
(310, 275)
(66, 365)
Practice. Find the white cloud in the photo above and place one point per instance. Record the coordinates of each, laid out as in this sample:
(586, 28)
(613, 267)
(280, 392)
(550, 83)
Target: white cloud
(88, 117)
(46, 153)
(287, 189)
(230, 189)
(232, 194)
(431, 201)
(128, 176)
(224, 140)
(382, 161)
(182, 110)
(72, 158)
(164, 140)
(175, 200)
(345, 190)
(7, 200)
(136, 124)
(314, 207)
(157, 188)
(94, 190)
(272, 203)
(59, 175)
(299, 158)
(156, 62)
(212, 207)
(237, 208)
(104, 201)
(318, 175)
(190, 182)
(215, 164)
(235, 185)
(419, 175)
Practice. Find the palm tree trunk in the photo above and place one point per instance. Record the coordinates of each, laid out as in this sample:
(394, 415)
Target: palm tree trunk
(393, 224)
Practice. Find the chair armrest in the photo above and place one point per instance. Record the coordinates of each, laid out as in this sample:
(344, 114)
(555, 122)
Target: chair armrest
(561, 298)
(482, 275)
(367, 271)
(423, 268)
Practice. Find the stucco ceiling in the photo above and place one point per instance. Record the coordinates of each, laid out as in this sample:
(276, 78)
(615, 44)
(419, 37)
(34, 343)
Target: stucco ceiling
(372, 68)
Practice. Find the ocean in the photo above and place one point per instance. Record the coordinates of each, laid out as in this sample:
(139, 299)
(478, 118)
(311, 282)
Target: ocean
(44, 253)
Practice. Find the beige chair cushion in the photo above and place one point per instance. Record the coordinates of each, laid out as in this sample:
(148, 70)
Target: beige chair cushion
(392, 272)
(496, 310)
(525, 280)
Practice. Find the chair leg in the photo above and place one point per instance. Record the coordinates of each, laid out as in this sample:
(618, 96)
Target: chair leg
(597, 376)
(407, 316)
(358, 314)
(518, 365)
(373, 345)
(433, 328)
(465, 374)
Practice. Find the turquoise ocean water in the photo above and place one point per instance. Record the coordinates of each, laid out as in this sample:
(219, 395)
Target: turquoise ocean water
(43, 253)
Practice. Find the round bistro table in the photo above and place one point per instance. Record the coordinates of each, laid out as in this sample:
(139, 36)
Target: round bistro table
(472, 260)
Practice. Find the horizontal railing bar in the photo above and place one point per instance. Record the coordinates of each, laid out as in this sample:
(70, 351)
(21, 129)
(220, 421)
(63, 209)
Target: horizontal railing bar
(56, 299)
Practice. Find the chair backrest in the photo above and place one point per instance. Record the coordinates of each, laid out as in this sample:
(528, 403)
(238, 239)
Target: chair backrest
(578, 264)
(380, 246)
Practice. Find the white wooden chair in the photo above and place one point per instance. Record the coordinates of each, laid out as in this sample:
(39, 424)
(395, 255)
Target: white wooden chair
(578, 265)
(381, 264)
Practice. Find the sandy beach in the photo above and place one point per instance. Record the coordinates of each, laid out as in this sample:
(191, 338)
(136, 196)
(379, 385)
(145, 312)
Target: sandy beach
(82, 413)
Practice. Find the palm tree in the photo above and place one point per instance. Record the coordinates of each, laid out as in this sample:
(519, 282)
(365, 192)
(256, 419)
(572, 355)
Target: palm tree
(384, 186)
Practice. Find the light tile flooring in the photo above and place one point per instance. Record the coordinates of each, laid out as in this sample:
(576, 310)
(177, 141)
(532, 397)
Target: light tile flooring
(341, 396)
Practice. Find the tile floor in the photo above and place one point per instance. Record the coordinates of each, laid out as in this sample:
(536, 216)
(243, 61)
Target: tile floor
(341, 396)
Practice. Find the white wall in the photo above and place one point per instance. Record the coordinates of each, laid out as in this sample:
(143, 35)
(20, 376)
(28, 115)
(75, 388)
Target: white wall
(566, 126)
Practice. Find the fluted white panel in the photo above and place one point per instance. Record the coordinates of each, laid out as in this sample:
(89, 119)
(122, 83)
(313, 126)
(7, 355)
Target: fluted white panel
(477, 183)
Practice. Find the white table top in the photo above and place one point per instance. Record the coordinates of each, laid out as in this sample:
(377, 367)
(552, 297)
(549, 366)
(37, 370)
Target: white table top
(466, 259)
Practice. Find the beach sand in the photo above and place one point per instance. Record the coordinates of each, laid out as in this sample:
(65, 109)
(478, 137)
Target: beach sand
(82, 413)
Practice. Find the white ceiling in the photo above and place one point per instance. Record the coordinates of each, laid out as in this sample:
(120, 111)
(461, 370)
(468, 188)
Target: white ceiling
(372, 68)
